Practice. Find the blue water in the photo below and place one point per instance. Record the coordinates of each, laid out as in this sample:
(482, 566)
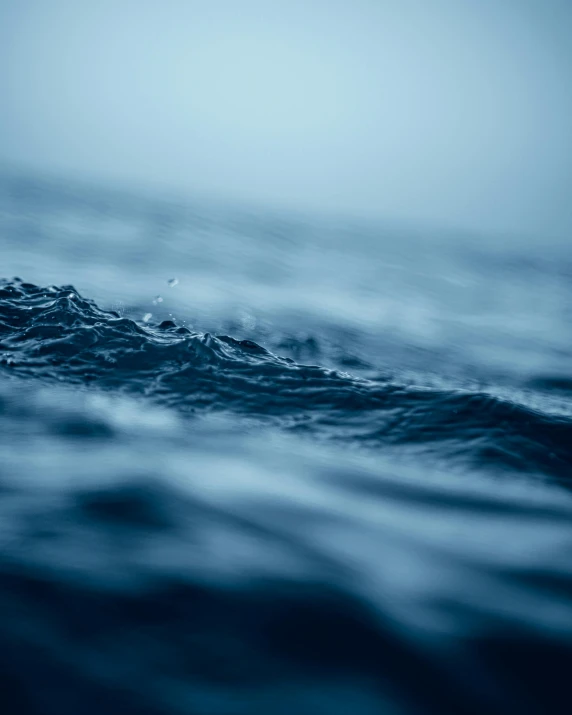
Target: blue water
(259, 463)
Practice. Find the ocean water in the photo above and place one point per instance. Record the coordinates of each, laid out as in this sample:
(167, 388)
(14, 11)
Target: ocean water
(267, 463)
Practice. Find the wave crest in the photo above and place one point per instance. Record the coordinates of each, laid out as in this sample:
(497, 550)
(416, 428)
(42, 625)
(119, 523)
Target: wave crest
(54, 333)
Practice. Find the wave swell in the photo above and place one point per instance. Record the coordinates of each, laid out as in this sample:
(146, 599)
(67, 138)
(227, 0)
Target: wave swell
(55, 334)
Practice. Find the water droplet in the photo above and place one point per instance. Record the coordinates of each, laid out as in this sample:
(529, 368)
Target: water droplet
(157, 299)
(147, 317)
(247, 319)
(172, 282)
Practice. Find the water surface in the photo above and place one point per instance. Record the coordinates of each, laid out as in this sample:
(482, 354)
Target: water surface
(256, 463)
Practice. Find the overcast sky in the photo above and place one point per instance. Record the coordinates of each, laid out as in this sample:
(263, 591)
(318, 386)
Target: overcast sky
(455, 112)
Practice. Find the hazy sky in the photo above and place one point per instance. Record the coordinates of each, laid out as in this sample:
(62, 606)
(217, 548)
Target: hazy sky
(445, 111)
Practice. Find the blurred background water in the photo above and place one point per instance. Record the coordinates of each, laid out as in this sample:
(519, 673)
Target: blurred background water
(276, 435)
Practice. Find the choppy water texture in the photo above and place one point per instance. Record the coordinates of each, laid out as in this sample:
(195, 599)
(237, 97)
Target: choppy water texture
(267, 464)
